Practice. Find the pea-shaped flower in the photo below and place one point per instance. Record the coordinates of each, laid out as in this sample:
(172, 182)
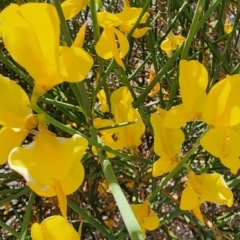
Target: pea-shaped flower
(147, 218)
(53, 228)
(51, 165)
(15, 114)
(205, 188)
(31, 33)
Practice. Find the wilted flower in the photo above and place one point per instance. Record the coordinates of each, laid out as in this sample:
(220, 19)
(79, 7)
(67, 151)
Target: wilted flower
(147, 219)
(53, 228)
(16, 116)
(167, 144)
(171, 43)
(205, 188)
(51, 165)
(40, 55)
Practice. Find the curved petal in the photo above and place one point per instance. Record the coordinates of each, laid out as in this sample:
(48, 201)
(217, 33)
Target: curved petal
(39, 24)
(189, 198)
(193, 81)
(123, 44)
(198, 214)
(177, 117)
(36, 233)
(74, 180)
(163, 165)
(151, 222)
(14, 104)
(167, 142)
(222, 106)
(138, 32)
(78, 41)
(49, 228)
(72, 7)
(9, 139)
(75, 64)
(216, 136)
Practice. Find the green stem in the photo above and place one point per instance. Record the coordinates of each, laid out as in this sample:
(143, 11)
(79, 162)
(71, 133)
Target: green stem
(9, 229)
(27, 216)
(129, 219)
(90, 219)
(193, 30)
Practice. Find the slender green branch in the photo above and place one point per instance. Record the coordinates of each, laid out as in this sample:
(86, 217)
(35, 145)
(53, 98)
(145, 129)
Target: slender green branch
(27, 216)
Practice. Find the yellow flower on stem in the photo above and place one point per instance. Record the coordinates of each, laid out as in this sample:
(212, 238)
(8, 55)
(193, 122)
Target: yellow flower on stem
(167, 144)
(30, 33)
(72, 7)
(51, 165)
(53, 228)
(205, 188)
(118, 48)
(121, 107)
(147, 219)
(15, 116)
(222, 111)
(171, 43)
(193, 81)
(107, 135)
(103, 101)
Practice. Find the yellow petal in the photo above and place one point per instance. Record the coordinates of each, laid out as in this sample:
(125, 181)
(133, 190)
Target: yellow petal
(222, 106)
(39, 24)
(100, 123)
(167, 142)
(212, 188)
(121, 94)
(103, 101)
(48, 156)
(163, 165)
(72, 7)
(151, 222)
(138, 32)
(78, 42)
(14, 104)
(189, 198)
(74, 180)
(198, 214)
(9, 139)
(177, 117)
(36, 233)
(123, 44)
(48, 229)
(107, 20)
(62, 199)
(75, 64)
(193, 81)
(167, 45)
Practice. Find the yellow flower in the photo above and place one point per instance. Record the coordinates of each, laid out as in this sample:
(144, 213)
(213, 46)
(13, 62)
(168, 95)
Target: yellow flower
(53, 228)
(128, 136)
(147, 219)
(118, 48)
(205, 188)
(167, 144)
(107, 135)
(103, 101)
(51, 165)
(222, 111)
(171, 43)
(228, 26)
(155, 90)
(72, 7)
(30, 33)
(15, 116)
(193, 80)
